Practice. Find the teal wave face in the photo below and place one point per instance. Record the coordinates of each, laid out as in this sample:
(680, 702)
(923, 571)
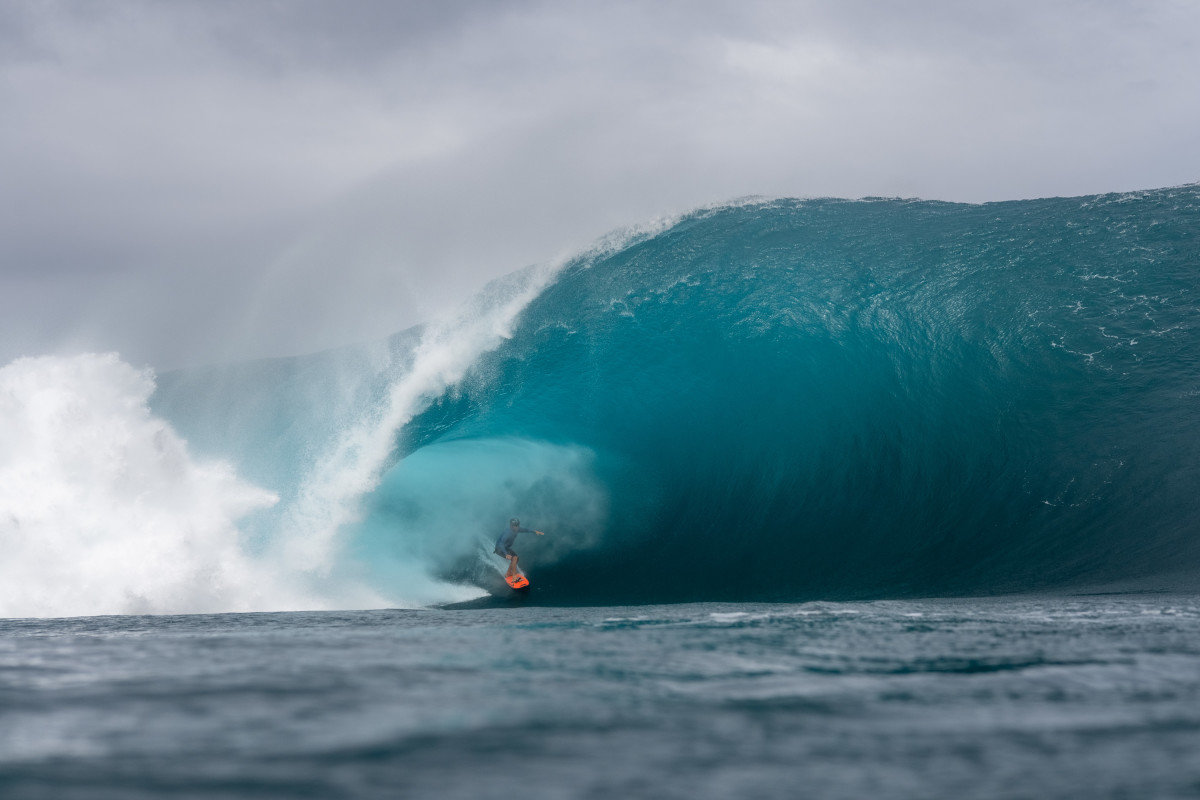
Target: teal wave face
(839, 398)
(780, 400)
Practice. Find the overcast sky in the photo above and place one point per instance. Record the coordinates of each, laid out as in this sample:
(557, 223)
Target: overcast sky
(202, 181)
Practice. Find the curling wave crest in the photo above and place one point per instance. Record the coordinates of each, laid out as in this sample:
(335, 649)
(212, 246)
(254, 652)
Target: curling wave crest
(776, 400)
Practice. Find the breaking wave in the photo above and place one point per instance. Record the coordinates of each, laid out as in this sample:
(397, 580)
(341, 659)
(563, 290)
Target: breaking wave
(768, 400)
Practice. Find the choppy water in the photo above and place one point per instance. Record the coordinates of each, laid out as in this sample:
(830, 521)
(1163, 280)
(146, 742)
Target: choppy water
(1046, 697)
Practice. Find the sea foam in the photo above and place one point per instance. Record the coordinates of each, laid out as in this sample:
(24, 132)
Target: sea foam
(104, 511)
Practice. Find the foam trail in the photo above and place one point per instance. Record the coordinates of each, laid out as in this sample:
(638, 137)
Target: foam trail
(104, 511)
(330, 498)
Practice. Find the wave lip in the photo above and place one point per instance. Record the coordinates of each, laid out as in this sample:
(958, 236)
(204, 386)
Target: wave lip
(330, 496)
(104, 509)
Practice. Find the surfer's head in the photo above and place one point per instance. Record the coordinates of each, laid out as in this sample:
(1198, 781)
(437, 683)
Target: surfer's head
(516, 523)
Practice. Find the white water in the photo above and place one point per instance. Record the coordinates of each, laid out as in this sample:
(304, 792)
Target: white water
(104, 511)
(330, 497)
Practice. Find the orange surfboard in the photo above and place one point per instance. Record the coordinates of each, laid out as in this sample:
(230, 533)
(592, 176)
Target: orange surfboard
(517, 581)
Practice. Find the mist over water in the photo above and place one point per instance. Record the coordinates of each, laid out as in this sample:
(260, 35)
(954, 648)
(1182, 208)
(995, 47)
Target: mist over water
(104, 508)
(108, 511)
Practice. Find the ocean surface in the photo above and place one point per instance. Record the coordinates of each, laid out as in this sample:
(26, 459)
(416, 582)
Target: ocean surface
(1047, 697)
(841, 498)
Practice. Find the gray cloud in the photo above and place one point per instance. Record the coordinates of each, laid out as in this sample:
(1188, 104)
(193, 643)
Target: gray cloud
(199, 181)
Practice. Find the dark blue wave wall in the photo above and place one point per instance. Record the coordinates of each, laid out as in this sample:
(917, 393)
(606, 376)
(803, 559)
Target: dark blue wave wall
(836, 398)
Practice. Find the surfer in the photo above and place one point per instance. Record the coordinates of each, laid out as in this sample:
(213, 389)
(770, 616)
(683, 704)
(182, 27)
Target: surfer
(505, 542)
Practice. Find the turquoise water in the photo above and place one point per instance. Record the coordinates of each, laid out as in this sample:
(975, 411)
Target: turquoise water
(822, 399)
